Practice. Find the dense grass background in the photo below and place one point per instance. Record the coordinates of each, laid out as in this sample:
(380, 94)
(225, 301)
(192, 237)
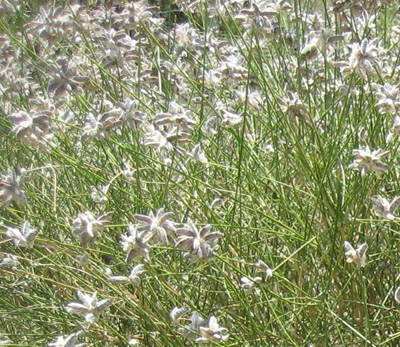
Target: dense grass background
(285, 192)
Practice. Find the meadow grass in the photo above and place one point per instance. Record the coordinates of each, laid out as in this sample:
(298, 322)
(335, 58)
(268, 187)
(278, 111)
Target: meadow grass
(243, 119)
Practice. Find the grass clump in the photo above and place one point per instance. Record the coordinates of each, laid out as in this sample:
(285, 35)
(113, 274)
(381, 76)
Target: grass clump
(190, 172)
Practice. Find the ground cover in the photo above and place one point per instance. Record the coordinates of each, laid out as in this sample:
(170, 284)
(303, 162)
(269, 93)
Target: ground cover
(184, 172)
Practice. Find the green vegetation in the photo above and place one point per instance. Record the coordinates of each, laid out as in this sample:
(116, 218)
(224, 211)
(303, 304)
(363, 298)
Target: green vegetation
(198, 138)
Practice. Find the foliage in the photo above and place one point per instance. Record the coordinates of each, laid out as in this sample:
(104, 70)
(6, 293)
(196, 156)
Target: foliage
(184, 172)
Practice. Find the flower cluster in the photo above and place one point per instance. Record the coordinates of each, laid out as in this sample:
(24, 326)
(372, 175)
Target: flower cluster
(159, 227)
(186, 105)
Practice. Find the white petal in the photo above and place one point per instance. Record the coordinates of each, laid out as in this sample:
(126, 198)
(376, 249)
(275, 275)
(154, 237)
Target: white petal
(397, 295)
(118, 279)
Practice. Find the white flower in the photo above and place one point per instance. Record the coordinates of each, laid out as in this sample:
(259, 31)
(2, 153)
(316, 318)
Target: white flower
(176, 313)
(9, 261)
(88, 227)
(128, 172)
(232, 69)
(249, 284)
(196, 154)
(167, 141)
(261, 266)
(8, 7)
(293, 106)
(388, 96)
(22, 238)
(69, 341)
(51, 24)
(395, 131)
(135, 14)
(366, 160)
(319, 40)
(356, 256)
(364, 57)
(178, 116)
(159, 226)
(196, 321)
(65, 78)
(100, 126)
(133, 342)
(211, 125)
(90, 307)
(231, 119)
(212, 332)
(199, 243)
(385, 209)
(134, 276)
(10, 188)
(99, 196)
(135, 245)
(130, 113)
(32, 129)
